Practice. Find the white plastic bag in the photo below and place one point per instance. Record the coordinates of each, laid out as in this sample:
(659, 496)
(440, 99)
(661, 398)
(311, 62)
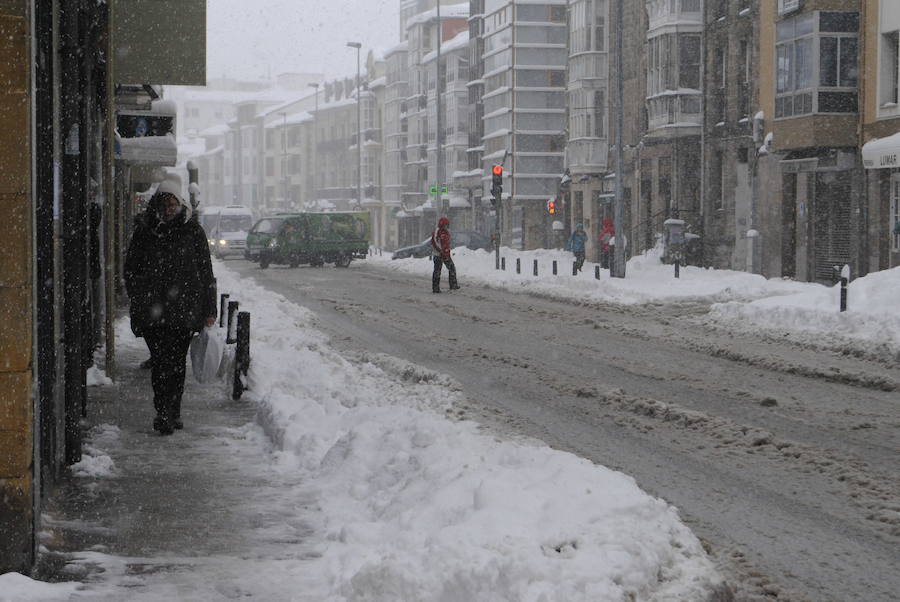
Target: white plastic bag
(207, 349)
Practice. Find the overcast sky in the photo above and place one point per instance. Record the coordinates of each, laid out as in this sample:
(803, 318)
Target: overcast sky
(254, 39)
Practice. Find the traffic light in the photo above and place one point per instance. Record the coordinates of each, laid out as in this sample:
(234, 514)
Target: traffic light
(497, 184)
(551, 207)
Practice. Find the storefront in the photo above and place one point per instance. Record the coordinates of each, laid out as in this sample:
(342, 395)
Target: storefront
(881, 158)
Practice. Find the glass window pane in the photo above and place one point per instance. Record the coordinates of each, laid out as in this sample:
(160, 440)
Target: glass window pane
(805, 24)
(849, 74)
(803, 71)
(837, 102)
(846, 22)
(828, 61)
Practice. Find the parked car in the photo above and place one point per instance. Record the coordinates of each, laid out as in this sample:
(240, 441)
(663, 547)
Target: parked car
(463, 238)
(318, 238)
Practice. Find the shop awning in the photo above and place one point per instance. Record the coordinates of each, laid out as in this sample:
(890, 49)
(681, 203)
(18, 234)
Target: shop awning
(883, 153)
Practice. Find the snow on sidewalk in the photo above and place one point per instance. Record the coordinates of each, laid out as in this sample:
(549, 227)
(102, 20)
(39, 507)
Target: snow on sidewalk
(403, 502)
(739, 300)
(416, 506)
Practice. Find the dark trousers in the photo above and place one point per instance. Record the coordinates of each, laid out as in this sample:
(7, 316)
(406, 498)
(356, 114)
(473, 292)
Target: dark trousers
(168, 352)
(579, 259)
(436, 275)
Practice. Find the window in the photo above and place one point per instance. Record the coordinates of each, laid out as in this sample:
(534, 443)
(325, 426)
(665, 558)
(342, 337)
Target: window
(599, 114)
(890, 68)
(600, 28)
(689, 62)
(817, 67)
(895, 211)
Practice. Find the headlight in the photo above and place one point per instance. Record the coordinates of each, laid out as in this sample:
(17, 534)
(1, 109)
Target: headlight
(222, 242)
(271, 244)
(212, 242)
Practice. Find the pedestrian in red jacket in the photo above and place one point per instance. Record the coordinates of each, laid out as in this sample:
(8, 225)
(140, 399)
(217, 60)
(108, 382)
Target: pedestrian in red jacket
(440, 254)
(606, 235)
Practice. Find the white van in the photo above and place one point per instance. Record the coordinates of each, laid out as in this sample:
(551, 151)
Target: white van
(228, 235)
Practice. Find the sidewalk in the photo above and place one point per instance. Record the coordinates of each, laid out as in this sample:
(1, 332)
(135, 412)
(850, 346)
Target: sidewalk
(179, 517)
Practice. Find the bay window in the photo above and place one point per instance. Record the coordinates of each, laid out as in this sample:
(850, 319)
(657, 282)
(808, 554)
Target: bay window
(817, 64)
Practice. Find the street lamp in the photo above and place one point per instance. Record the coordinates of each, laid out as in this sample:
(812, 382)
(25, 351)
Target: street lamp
(284, 174)
(359, 198)
(315, 166)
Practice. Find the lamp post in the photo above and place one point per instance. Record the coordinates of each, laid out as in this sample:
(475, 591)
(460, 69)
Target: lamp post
(315, 160)
(284, 174)
(359, 199)
(618, 270)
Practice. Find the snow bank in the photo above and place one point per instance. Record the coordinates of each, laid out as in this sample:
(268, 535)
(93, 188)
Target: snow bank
(416, 506)
(19, 588)
(739, 300)
(95, 463)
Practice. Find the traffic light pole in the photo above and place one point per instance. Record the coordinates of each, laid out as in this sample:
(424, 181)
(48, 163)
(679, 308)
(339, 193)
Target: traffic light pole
(618, 270)
(497, 193)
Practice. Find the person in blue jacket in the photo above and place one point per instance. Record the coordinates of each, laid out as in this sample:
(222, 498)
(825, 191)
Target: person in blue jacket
(576, 245)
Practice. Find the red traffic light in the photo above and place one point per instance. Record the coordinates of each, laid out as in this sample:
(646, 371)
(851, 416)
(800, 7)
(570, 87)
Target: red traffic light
(551, 207)
(498, 170)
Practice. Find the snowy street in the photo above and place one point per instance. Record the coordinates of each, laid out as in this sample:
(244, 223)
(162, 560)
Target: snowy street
(778, 453)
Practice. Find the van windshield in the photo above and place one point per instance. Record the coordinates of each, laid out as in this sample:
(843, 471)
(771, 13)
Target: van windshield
(235, 223)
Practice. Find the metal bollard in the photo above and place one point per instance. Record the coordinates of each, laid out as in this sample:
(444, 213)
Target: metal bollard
(231, 334)
(535, 267)
(843, 294)
(677, 269)
(574, 268)
(241, 355)
(503, 263)
(518, 265)
(223, 300)
(554, 267)
(597, 272)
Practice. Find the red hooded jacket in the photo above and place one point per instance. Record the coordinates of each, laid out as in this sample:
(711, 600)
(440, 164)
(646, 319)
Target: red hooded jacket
(606, 234)
(440, 239)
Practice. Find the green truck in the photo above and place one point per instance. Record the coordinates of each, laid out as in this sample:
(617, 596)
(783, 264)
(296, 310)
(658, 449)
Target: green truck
(317, 239)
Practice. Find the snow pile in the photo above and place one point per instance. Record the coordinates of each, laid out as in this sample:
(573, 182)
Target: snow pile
(95, 463)
(739, 300)
(19, 588)
(871, 316)
(416, 506)
(647, 279)
(97, 377)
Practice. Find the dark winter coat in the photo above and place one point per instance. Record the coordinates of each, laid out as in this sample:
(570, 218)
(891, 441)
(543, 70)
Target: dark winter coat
(168, 274)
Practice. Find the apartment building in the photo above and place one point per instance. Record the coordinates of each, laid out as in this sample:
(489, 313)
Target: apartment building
(421, 205)
(880, 124)
(590, 198)
(811, 193)
(732, 134)
(669, 159)
(524, 73)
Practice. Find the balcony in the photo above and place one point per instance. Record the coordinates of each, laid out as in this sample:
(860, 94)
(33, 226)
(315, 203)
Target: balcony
(674, 113)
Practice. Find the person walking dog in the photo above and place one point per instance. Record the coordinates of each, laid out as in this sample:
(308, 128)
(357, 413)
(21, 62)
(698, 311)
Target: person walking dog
(440, 254)
(170, 282)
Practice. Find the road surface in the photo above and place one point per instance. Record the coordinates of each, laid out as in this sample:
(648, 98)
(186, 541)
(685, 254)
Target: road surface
(782, 458)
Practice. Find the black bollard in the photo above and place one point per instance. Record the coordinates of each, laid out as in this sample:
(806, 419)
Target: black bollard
(518, 265)
(677, 269)
(597, 272)
(843, 294)
(574, 268)
(222, 306)
(230, 335)
(535, 267)
(503, 263)
(554, 267)
(241, 354)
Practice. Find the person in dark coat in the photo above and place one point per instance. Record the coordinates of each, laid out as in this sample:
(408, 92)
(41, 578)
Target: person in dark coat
(440, 254)
(169, 279)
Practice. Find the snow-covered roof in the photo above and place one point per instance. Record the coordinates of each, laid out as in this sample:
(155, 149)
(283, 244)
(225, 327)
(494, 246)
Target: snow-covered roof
(456, 11)
(215, 130)
(294, 119)
(401, 47)
(460, 41)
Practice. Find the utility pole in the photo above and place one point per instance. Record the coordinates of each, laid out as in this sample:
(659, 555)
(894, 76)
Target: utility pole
(284, 162)
(359, 135)
(315, 152)
(439, 157)
(618, 270)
